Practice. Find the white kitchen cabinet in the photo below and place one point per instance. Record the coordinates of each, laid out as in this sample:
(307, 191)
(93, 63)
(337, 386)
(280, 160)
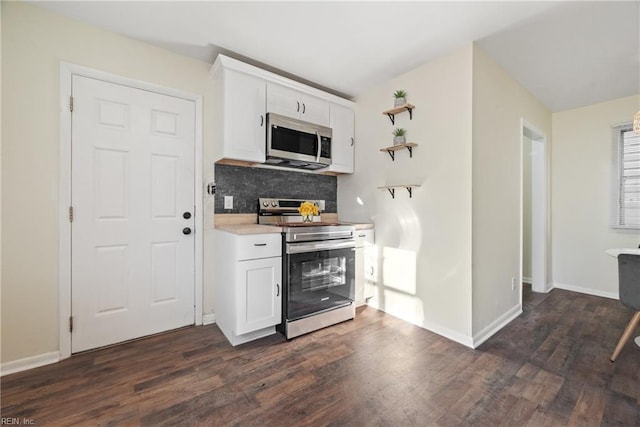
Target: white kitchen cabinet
(342, 121)
(258, 294)
(247, 285)
(292, 103)
(366, 266)
(244, 94)
(240, 117)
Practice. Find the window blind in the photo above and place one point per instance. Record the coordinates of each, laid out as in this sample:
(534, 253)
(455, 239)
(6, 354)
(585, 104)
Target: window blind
(628, 178)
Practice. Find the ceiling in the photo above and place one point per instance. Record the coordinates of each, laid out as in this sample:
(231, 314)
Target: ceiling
(568, 54)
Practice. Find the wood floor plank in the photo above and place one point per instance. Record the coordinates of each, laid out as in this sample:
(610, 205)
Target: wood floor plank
(549, 367)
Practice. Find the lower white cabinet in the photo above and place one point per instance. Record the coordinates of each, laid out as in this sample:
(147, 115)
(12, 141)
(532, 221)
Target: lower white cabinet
(247, 285)
(258, 294)
(366, 266)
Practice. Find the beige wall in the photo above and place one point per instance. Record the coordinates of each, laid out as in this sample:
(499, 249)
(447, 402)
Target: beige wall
(34, 41)
(582, 193)
(499, 104)
(424, 242)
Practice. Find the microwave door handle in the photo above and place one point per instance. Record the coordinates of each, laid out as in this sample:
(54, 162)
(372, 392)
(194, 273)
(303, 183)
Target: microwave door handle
(319, 146)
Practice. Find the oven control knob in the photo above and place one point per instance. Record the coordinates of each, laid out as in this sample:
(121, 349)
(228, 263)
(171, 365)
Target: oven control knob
(274, 203)
(265, 204)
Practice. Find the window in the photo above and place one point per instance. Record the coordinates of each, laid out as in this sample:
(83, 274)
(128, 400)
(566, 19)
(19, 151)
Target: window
(628, 177)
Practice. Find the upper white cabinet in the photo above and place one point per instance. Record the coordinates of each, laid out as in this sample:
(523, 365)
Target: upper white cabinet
(293, 103)
(241, 116)
(244, 95)
(343, 140)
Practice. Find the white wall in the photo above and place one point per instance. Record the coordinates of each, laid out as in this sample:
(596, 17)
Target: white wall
(582, 191)
(499, 105)
(424, 242)
(34, 41)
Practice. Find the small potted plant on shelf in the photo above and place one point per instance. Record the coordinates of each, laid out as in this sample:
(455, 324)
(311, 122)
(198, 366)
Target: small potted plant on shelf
(400, 98)
(399, 136)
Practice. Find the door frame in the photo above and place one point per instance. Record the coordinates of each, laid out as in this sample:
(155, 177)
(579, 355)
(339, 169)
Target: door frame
(67, 70)
(540, 211)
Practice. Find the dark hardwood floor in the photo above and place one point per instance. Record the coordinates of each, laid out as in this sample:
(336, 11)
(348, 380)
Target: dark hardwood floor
(548, 367)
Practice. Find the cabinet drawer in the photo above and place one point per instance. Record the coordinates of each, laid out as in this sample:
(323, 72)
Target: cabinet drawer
(254, 246)
(364, 238)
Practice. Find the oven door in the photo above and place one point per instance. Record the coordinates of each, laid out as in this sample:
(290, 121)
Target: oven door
(320, 277)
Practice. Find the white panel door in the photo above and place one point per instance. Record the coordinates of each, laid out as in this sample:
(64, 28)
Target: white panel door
(133, 204)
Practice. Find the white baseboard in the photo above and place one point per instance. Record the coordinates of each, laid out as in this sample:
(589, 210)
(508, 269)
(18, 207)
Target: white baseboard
(29, 363)
(465, 340)
(588, 291)
(208, 319)
(527, 280)
(496, 325)
(436, 328)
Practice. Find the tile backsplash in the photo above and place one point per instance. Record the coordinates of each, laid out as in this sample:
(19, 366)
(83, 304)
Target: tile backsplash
(247, 184)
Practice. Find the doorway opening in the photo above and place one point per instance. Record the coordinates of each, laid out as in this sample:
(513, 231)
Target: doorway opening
(534, 235)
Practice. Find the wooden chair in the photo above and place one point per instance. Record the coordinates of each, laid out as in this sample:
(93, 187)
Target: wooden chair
(629, 285)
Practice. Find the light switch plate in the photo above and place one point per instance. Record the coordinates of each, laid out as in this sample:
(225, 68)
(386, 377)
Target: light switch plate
(228, 202)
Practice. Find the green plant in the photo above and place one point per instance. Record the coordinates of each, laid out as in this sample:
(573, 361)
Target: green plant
(400, 94)
(399, 132)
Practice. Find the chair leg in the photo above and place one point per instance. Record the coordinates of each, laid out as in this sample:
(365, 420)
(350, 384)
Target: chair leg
(626, 335)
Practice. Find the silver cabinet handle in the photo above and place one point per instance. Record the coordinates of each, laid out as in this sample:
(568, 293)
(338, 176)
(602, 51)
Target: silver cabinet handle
(319, 146)
(304, 108)
(371, 270)
(277, 290)
(259, 244)
(362, 235)
(352, 141)
(298, 107)
(262, 122)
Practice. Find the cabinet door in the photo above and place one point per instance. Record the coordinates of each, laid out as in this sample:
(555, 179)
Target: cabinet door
(315, 110)
(342, 142)
(245, 117)
(282, 100)
(292, 103)
(370, 273)
(258, 294)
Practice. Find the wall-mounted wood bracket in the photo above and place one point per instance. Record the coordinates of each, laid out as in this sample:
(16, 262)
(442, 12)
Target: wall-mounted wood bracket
(392, 189)
(391, 150)
(402, 108)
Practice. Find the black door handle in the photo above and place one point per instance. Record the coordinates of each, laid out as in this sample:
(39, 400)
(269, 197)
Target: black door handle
(186, 215)
(186, 231)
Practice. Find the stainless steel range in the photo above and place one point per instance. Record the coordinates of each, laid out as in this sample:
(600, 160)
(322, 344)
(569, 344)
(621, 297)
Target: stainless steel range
(318, 267)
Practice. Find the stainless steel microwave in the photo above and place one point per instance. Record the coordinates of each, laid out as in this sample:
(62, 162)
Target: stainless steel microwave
(297, 144)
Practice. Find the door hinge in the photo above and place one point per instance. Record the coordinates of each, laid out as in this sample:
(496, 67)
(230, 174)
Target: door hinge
(70, 323)
(71, 104)
(70, 213)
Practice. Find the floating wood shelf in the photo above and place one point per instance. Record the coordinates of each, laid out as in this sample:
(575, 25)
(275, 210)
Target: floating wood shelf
(391, 150)
(392, 112)
(392, 189)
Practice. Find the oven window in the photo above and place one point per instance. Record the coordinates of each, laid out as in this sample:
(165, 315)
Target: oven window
(323, 273)
(319, 281)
